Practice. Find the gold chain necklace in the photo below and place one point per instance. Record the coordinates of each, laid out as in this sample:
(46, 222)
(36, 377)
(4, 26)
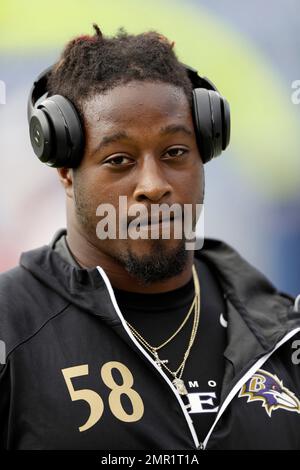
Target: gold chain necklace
(156, 348)
(178, 382)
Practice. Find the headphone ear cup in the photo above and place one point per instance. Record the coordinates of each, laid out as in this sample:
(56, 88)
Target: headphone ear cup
(59, 143)
(217, 119)
(203, 123)
(56, 132)
(211, 114)
(75, 135)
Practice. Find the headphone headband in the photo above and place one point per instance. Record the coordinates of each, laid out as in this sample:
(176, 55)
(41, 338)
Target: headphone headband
(197, 80)
(38, 89)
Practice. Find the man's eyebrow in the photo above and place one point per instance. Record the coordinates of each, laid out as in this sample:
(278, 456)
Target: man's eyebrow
(121, 135)
(109, 139)
(174, 129)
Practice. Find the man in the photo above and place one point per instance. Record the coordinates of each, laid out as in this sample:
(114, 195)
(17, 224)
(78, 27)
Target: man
(138, 342)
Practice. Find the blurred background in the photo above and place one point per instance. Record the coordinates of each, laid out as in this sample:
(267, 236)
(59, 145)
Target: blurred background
(250, 50)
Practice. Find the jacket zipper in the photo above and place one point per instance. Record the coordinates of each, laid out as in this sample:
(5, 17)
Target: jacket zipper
(244, 379)
(231, 394)
(119, 313)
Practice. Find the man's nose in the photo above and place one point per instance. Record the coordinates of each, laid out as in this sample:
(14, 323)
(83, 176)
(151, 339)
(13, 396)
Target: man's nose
(152, 183)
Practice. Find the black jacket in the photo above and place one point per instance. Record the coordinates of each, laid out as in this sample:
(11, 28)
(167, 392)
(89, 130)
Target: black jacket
(76, 378)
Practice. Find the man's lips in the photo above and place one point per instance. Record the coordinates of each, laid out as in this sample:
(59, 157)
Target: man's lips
(135, 221)
(161, 221)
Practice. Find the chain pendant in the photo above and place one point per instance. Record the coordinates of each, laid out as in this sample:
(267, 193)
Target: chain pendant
(179, 384)
(159, 361)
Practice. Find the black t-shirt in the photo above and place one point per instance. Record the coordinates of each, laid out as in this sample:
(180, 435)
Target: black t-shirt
(157, 316)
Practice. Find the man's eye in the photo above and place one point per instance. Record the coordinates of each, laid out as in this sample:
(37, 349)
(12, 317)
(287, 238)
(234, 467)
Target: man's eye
(174, 152)
(119, 160)
(122, 160)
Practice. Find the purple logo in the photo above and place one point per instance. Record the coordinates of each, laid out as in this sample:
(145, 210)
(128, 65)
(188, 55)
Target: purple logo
(266, 387)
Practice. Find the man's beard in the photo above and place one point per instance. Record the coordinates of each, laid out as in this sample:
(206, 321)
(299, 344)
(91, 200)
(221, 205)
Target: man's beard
(159, 265)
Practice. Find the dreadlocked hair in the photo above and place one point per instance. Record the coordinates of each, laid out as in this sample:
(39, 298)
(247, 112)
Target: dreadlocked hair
(95, 64)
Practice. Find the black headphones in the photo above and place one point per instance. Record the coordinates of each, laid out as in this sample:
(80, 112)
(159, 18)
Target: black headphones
(57, 136)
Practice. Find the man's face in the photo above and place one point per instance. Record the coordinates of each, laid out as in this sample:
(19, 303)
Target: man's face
(148, 165)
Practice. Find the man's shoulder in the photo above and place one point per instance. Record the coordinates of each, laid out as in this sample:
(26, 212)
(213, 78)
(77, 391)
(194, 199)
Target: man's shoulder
(16, 281)
(25, 305)
(235, 270)
(244, 281)
(11, 275)
(13, 292)
(12, 282)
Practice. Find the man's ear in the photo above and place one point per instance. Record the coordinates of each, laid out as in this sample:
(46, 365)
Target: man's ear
(66, 178)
